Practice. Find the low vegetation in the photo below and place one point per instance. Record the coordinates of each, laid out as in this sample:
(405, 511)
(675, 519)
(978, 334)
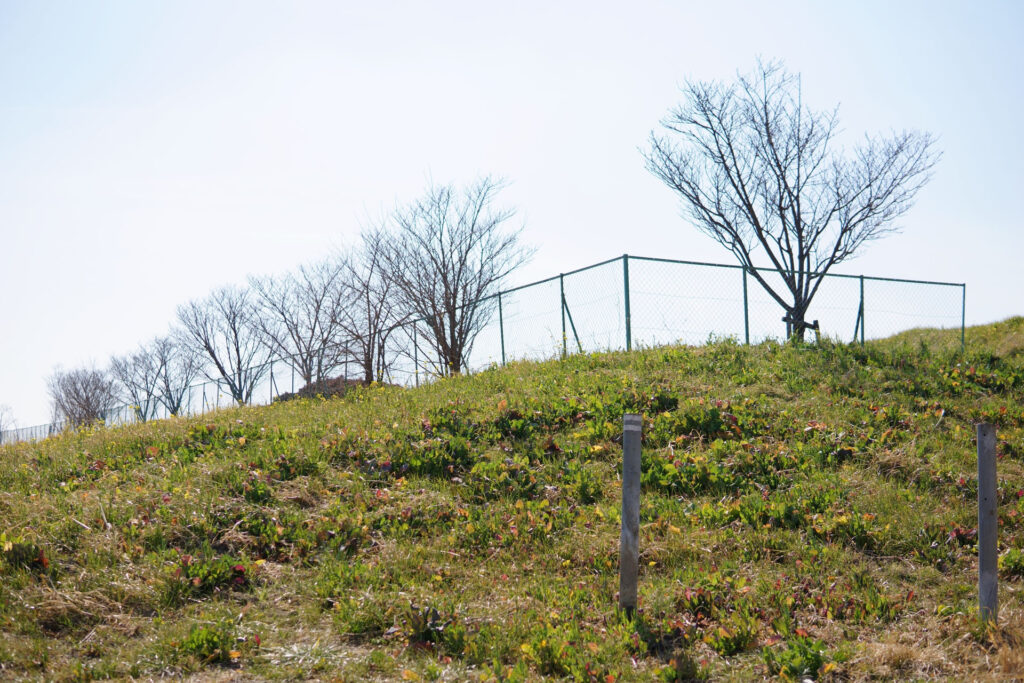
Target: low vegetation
(807, 512)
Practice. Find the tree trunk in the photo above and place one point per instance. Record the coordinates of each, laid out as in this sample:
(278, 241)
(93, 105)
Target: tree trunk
(796, 324)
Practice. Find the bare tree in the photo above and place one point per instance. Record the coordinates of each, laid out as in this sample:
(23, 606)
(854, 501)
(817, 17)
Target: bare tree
(138, 375)
(7, 421)
(301, 318)
(448, 256)
(81, 396)
(756, 170)
(372, 313)
(223, 328)
(177, 367)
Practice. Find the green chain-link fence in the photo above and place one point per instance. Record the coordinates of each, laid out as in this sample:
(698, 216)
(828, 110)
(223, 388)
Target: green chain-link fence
(635, 301)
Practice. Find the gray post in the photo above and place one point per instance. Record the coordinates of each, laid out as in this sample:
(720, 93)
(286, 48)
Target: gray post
(988, 524)
(629, 541)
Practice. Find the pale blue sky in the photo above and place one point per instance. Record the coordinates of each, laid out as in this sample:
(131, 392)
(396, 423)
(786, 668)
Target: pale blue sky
(150, 151)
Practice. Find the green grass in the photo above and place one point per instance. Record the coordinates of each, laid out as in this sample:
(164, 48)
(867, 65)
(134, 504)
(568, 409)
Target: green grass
(807, 511)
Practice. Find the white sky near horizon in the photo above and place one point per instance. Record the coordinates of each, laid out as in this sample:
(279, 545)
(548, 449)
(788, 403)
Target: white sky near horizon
(151, 151)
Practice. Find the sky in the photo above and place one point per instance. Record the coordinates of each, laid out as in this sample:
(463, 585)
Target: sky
(151, 151)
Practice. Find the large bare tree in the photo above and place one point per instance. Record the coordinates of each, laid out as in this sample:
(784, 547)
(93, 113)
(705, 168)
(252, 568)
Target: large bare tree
(223, 328)
(372, 313)
(81, 396)
(760, 173)
(301, 317)
(449, 253)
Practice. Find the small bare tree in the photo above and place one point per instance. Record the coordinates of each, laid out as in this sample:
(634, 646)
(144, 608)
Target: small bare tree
(7, 422)
(301, 317)
(138, 375)
(177, 367)
(371, 314)
(81, 396)
(223, 329)
(447, 258)
(756, 171)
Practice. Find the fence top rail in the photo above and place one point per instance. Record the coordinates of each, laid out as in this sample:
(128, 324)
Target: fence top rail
(766, 269)
(555, 277)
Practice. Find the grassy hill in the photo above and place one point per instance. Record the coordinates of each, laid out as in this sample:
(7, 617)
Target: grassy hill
(807, 511)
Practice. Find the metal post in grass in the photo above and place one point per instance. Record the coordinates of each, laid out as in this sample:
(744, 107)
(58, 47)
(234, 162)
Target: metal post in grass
(625, 286)
(988, 524)
(561, 296)
(629, 540)
(746, 309)
(501, 328)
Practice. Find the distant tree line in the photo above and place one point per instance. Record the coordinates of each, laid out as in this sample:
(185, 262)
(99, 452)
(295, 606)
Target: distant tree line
(428, 266)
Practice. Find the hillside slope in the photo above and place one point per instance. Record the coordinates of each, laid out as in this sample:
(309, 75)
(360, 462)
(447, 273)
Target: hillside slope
(806, 512)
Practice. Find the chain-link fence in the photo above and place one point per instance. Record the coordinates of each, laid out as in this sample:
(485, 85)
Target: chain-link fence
(621, 304)
(632, 302)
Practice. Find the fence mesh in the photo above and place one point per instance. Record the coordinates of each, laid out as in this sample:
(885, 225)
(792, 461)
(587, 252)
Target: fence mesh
(627, 302)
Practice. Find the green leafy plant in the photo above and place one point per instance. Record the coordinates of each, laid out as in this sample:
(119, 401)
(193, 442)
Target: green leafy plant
(799, 658)
(1011, 562)
(211, 644)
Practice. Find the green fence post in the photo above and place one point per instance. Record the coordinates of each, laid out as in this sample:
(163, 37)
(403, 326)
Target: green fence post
(862, 316)
(415, 355)
(561, 290)
(746, 309)
(625, 284)
(963, 317)
(501, 328)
